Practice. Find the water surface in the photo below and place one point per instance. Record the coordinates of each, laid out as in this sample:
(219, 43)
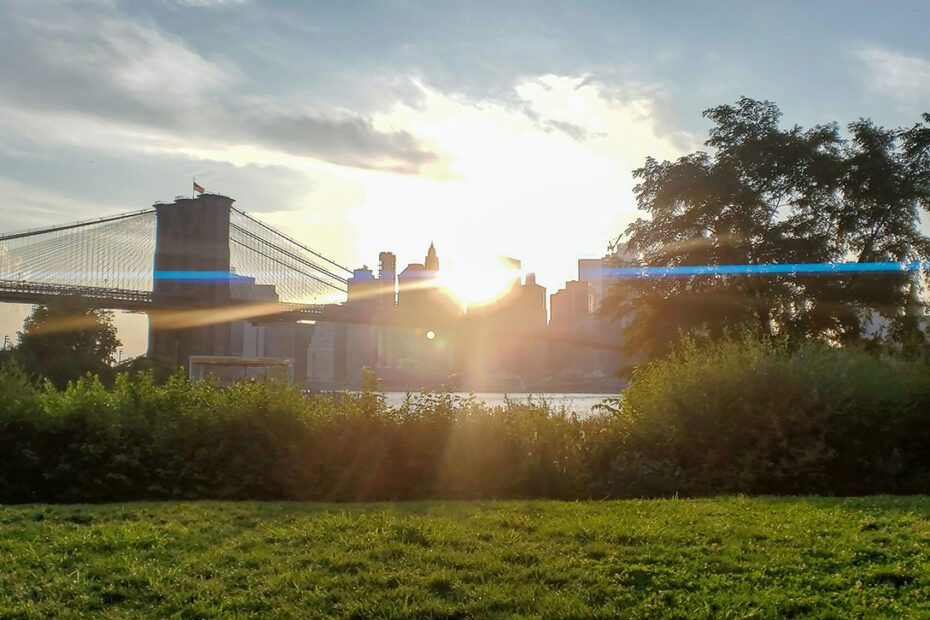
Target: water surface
(580, 403)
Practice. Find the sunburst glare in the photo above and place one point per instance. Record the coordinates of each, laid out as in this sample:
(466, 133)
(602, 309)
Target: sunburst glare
(481, 280)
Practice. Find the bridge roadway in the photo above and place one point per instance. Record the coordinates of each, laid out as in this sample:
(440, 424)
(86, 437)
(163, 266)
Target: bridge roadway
(168, 315)
(24, 292)
(168, 310)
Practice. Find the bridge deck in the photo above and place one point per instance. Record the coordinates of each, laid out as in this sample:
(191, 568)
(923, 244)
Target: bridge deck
(25, 292)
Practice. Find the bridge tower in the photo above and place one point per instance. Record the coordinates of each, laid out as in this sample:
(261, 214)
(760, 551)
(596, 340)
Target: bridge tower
(191, 273)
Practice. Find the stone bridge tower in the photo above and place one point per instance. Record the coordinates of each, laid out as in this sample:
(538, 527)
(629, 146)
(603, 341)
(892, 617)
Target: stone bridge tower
(191, 275)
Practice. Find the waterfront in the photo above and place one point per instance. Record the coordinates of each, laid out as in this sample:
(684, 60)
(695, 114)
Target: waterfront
(580, 403)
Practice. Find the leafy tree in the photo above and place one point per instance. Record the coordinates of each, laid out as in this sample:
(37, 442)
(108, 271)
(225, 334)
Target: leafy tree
(768, 195)
(65, 339)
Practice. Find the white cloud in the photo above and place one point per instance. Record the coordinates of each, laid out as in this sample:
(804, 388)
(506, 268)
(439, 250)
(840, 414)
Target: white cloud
(511, 179)
(520, 186)
(80, 54)
(899, 76)
(151, 64)
(94, 66)
(543, 174)
(34, 207)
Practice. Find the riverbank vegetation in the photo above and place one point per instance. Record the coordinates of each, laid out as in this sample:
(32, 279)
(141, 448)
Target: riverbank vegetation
(790, 203)
(737, 416)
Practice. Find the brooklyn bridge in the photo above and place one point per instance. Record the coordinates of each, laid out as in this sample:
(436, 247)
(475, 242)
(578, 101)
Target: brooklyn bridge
(198, 255)
(202, 269)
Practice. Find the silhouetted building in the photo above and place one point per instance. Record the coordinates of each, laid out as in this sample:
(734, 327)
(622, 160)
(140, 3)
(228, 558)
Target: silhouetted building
(364, 292)
(407, 336)
(420, 294)
(593, 270)
(584, 343)
(572, 305)
(503, 348)
(432, 260)
(387, 280)
(286, 341)
(420, 337)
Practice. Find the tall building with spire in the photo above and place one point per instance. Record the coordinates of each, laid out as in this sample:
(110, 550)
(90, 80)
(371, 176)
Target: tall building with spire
(418, 285)
(432, 261)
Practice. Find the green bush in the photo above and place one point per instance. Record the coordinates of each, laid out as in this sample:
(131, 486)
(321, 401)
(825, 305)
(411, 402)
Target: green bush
(181, 439)
(736, 417)
(765, 417)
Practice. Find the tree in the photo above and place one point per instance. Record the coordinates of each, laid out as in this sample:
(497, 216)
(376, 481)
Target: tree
(65, 339)
(767, 195)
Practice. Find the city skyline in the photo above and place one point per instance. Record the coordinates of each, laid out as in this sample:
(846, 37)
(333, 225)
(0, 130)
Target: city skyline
(204, 242)
(510, 131)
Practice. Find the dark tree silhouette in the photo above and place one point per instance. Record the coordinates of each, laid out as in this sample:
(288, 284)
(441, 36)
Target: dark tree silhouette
(65, 339)
(767, 195)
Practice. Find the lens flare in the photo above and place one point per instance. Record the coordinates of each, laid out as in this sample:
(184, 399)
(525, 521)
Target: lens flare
(688, 271)
(482, 280)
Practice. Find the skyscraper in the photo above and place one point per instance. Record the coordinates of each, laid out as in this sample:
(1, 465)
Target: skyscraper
(432, 261)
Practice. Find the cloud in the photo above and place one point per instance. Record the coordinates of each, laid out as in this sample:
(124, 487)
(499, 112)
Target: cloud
(206, 3)
(94, 67)
(518, 186)
(899, 76)
(350, 140)
(35, 207)
(575, 131)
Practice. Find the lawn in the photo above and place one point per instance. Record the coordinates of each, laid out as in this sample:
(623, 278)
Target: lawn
(729, 557)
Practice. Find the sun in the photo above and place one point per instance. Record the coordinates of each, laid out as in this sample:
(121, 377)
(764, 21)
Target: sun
(481, 280)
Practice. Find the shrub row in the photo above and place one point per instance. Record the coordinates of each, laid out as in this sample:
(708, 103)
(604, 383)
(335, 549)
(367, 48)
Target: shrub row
(768, 417)
(737, 417)
(182, 439)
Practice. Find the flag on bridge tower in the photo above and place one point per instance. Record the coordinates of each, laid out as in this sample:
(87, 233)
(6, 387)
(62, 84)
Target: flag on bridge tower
(198, 188)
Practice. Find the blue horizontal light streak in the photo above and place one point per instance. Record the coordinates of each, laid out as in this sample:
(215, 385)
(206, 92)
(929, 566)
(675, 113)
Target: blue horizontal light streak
(198, 276)
(607, 273)
(621, 273)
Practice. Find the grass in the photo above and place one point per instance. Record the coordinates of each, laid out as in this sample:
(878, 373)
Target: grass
(715, 558)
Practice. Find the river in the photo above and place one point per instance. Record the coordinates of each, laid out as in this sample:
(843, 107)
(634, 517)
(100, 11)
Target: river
(581, 404)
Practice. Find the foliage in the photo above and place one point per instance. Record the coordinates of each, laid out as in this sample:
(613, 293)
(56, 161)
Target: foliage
(721, 558)
(253, 440)
(768, 195)
(65, 339)
(766, 417)
(739, 416)
(161, 369)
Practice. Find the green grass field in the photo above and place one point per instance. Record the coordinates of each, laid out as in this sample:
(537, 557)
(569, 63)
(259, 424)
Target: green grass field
(729, 557)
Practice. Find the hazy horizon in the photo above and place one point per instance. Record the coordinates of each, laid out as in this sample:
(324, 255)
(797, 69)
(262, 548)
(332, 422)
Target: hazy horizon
(488, 129)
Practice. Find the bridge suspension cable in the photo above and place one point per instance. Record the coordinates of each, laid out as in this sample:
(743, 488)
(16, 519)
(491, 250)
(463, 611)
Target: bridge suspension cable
(117, 254)
(114, 252)
(299, 274)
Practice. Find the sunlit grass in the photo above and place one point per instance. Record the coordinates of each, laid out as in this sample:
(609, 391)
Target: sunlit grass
(730, 557)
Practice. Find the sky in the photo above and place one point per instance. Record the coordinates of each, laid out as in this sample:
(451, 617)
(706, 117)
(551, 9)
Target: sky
(489, 128)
